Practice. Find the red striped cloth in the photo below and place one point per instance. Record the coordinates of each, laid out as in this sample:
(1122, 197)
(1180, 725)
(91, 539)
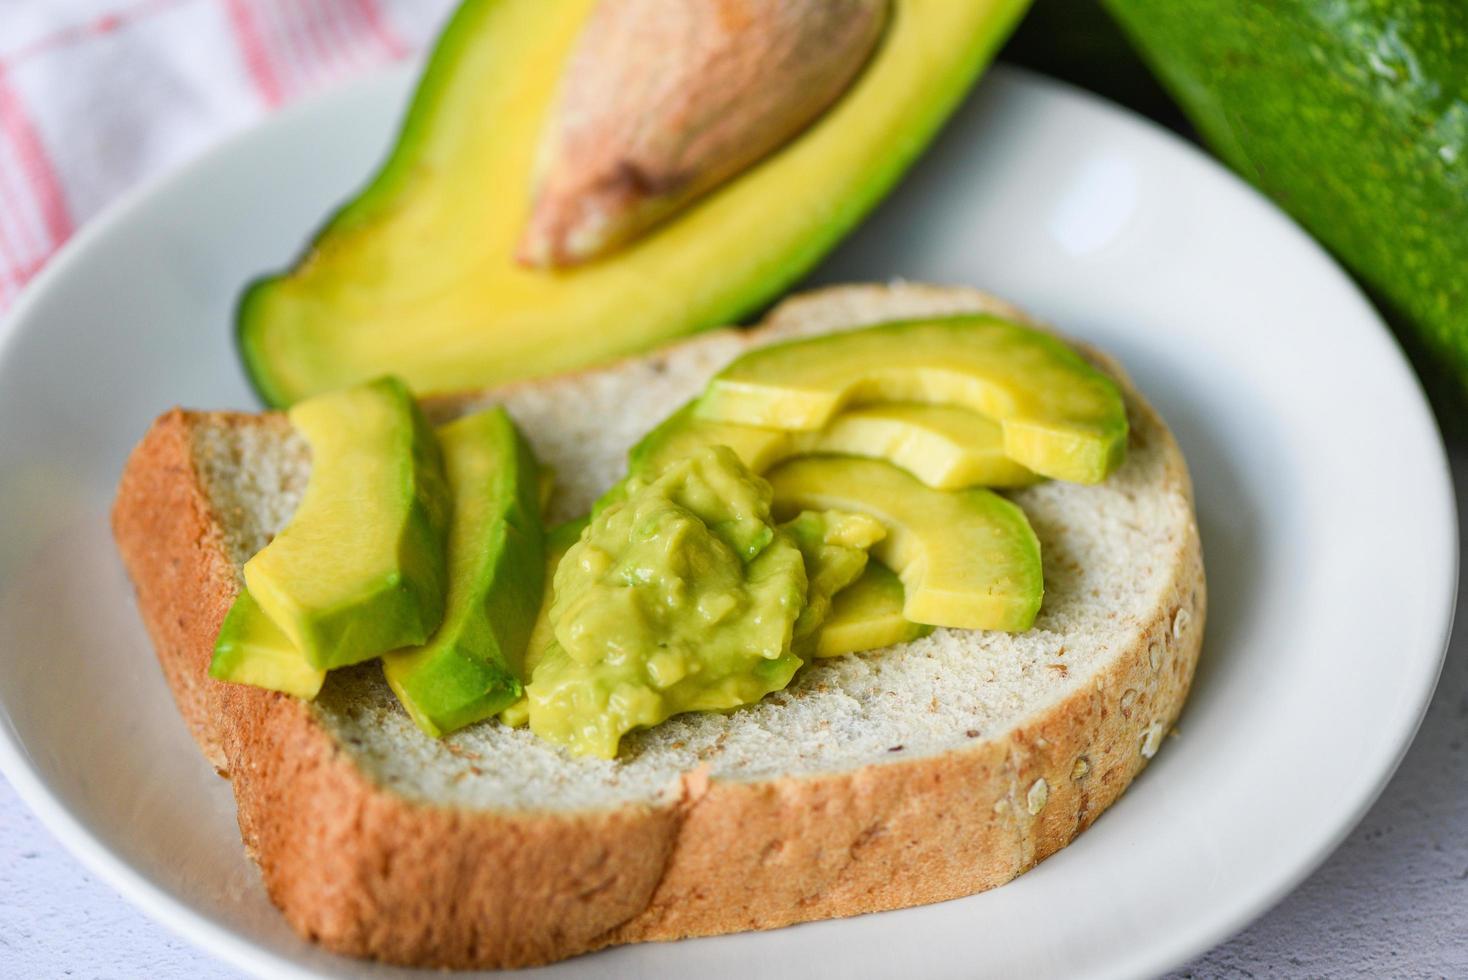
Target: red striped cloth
(96, 95)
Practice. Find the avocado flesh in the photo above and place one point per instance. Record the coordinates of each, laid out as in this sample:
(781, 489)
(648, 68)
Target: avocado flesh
(417, 274)
(472, 665)
(867, 615)
(1352, 115)
(1060, 416)
(834, 547)
(943, 446)
(864, 615)
(252, 650)
(682, 598)
(360, 568)
(558, 541)
(966, 558)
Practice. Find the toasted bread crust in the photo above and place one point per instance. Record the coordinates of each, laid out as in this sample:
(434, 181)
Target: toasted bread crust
(369, 873)
(174, 550)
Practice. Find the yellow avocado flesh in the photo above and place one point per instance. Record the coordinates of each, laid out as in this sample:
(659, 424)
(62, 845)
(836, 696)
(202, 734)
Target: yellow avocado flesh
(252, 650)
(1060, 417)
(867, 615)
(471, 666)
(360, 568)
(966, 558)
(542, 634)
(417, 275)
(943, 446)
(683, 597)
(834, 546)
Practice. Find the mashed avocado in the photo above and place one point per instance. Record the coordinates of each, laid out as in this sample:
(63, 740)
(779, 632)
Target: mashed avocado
(834, 547)
(684, 596)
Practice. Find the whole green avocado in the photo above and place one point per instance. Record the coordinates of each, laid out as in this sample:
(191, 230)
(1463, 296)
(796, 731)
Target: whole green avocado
(1353, 116)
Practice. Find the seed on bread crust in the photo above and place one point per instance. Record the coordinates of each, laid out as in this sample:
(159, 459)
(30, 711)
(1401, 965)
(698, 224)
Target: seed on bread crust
(1180, 623)
(1037, 797)
(1152, 739)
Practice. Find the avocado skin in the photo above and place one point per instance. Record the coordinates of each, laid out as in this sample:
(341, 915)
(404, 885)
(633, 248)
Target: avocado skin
(713, 303)
(1353, 116)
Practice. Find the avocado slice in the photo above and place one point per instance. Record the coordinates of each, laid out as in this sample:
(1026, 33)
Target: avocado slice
(417, 274)
(967, 558)
(1060, 416)
(360, 569)
(558, 541)
(943, 446)
(867, 615)
(834, 546)
(471, 667)
(252, 650)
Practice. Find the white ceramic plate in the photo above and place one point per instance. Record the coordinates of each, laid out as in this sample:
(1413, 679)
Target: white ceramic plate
(1323, 495)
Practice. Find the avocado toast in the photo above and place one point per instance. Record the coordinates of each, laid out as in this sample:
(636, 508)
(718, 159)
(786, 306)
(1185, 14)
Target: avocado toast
(898, 777)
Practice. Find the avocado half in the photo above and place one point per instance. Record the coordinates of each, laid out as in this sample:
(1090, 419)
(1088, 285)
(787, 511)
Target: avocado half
(416, 275)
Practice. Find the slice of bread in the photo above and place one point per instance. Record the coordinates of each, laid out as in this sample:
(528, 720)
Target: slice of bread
(907, 775)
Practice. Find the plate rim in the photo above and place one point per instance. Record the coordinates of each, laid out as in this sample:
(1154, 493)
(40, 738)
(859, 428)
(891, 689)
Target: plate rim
(1223, 921)
(185, 922)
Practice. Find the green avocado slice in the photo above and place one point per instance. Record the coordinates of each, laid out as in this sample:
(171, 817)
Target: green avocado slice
(1060, 416)
(359, 570)
(471, 667)
(943, 446)
(416, 275)
(867, 615)
(252, 650)
(558, 541)
(967, 558)
(834, 547)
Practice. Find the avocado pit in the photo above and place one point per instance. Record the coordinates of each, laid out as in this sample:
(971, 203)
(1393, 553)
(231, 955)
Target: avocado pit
(663, 100)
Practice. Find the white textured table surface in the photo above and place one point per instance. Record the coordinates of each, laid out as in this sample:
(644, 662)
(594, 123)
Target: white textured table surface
(1390, 902)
